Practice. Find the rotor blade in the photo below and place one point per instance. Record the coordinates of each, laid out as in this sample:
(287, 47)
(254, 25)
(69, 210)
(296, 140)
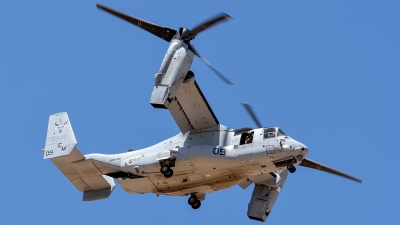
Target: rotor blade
(318, 166)
(226, 80)
(161, 32)
(250, 111)
(209, 23)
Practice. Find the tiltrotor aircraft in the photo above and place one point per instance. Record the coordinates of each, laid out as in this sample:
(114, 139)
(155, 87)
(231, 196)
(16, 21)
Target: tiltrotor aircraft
(204, 157)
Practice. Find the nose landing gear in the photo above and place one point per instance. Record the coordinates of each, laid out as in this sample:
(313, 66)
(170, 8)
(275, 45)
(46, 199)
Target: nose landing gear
(194, 202)
(291, 168)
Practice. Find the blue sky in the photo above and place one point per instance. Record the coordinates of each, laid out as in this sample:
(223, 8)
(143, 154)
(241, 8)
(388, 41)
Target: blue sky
(326, 72)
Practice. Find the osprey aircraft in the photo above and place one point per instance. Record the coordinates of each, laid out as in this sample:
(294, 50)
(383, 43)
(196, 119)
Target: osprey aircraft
(204, 157)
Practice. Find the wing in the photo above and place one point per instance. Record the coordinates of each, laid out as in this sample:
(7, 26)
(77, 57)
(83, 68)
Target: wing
(191, 110)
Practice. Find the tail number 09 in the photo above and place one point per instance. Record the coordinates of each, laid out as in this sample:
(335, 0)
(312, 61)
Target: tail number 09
(49, 153)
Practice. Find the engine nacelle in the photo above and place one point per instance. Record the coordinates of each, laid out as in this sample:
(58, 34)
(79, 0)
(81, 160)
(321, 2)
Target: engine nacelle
(173, 70)
(264, 197)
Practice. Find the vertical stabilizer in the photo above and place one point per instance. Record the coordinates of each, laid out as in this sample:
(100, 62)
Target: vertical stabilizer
(60, 139)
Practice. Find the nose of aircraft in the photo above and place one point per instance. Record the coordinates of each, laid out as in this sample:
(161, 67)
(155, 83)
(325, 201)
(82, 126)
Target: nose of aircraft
(303, 148)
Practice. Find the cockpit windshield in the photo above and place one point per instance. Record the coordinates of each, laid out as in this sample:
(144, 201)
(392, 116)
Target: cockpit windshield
(280, 132)
(272, 132)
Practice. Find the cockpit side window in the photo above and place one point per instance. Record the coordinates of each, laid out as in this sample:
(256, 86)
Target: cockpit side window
(269, 133)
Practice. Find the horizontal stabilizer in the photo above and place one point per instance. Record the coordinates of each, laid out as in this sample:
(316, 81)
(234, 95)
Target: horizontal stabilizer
(102, 193)
(61, 149)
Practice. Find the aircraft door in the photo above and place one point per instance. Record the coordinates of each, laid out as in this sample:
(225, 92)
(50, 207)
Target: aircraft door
(246, 143)
(258, 141)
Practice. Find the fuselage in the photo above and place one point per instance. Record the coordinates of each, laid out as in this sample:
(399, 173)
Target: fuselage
(206, 160)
